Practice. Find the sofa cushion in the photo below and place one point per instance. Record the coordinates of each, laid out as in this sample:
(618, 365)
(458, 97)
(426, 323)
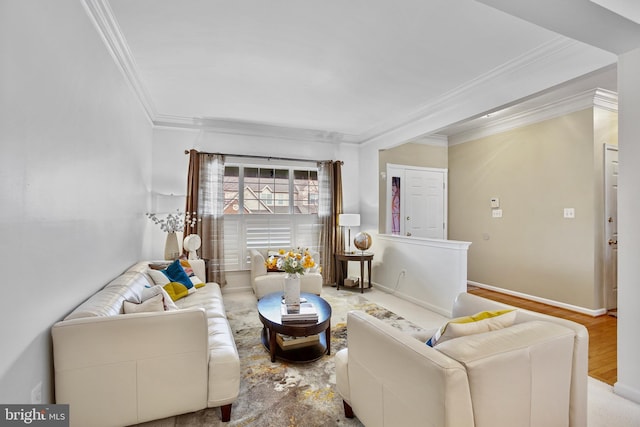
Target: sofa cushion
(208, 297)
(483, 321)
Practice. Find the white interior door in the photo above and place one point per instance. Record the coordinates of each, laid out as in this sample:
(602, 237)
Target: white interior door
(425, 204)
(611, 227)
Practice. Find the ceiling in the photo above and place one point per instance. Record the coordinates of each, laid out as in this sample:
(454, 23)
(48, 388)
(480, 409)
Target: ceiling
(333, 69)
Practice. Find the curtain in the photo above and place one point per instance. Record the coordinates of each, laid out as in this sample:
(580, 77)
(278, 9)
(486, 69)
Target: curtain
(193, 186)
(330, 206)
(205, 196)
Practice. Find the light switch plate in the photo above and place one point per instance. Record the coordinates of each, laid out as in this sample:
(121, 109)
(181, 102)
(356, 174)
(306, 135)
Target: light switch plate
(496, 213)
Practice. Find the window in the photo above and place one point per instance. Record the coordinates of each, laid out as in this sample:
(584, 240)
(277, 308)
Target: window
(268, 208)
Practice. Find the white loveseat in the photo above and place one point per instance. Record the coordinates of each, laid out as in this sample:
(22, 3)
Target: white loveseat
(116, 369)
(264, 282)
(533, 373)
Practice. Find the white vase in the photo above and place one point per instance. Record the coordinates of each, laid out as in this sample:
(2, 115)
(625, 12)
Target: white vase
(291, 289)
(171, 247)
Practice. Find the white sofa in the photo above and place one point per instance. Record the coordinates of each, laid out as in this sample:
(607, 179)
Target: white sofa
(533, 373)
(264, 282)
(116, 369)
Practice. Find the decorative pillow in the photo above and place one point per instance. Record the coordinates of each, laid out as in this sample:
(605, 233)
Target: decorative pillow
(272, 263)
(159, 265)
(187, 267)
(176, 290)
(176, 273)
(159, 278)
(484, 321)
(196, 282)
(150, 305)
(152, 291)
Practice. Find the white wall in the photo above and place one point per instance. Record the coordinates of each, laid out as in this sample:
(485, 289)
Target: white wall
(628, 384)
(75, 169)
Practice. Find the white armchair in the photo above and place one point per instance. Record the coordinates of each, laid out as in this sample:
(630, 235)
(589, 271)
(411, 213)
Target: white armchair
(533, 373)
(264, 282)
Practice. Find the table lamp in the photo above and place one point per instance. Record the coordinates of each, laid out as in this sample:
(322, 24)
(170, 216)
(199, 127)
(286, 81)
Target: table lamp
(349, 220)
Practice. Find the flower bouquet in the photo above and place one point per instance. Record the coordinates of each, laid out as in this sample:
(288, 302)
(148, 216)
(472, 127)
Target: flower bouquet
(294, 261)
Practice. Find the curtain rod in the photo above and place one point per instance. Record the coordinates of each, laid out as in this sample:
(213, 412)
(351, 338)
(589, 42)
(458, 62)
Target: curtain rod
(248, 156)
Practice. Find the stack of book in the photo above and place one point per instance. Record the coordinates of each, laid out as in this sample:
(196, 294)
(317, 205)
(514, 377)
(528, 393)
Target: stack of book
(289, 343)
(305, 313)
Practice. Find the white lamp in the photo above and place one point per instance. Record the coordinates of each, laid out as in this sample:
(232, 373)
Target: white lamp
(349, 220)
(191, 244)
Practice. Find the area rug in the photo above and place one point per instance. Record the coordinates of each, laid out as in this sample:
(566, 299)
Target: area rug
(296, 395)
(286, 394)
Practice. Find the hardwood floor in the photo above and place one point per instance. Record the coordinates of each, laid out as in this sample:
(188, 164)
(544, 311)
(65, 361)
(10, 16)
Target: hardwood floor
(603, 332)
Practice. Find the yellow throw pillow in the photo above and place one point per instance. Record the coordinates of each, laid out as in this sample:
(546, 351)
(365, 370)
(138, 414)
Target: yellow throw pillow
(484, 321)
(176, 290)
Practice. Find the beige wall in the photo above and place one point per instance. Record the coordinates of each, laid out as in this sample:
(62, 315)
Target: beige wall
(409, 154)
(536, 171)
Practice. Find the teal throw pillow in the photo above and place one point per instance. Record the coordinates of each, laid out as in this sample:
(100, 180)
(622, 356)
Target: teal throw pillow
(176, 273)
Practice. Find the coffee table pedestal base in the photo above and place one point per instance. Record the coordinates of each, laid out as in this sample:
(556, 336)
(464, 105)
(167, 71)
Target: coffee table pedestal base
(309, 353)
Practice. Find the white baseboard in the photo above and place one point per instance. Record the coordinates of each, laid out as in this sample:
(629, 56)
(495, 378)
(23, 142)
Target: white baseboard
(235, 289)
(578, 309)
(424, 304)
(626, 392)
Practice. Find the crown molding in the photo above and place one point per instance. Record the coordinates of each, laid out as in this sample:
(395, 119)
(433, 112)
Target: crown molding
(509, 71)
(592, 98)
(102, 17)
(240, 127)
(606, 99)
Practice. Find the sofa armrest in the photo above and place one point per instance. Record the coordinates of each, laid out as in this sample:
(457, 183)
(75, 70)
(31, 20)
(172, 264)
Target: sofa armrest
(519, 375)
(467, 304)
(258, 268)
(199, 268)
(126, 369)
(393, 379)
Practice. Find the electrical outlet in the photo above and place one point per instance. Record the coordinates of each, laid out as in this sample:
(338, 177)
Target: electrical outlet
(569, 213)
(36, 394)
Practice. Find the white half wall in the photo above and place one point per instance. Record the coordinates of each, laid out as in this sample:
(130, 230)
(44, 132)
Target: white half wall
(427, 272)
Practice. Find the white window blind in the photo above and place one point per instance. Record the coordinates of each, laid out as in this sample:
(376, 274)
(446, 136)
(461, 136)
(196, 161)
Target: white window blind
(268, 208)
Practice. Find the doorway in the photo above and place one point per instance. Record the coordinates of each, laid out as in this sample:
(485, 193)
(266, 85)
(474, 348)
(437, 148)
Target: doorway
(416, 201)
(611, 228)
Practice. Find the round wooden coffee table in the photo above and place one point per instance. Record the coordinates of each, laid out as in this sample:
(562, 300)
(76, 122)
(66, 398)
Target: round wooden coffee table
(269, 313)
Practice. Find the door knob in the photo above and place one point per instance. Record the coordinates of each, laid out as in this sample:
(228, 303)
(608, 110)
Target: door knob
(408, 218)
(613, 242)
(408, 234)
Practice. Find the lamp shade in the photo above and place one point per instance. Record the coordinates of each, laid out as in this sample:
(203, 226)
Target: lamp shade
(349, 220)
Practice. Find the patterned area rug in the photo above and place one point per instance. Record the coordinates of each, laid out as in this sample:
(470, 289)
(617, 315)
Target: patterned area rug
(286, 394)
